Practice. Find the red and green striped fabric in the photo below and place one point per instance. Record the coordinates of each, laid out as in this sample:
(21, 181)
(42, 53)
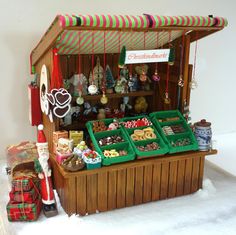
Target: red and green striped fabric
(143, 21)
(74, 42)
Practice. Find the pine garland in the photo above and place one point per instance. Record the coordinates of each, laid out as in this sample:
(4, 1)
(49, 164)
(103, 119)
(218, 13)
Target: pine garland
(122, 56)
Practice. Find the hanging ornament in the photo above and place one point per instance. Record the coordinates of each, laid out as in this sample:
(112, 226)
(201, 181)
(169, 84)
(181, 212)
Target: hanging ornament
(180, 81)
(167, 99)
(171, 61)
(93, 88)
(155, 76)
(104, 99)
(193, 84)
(143, 76)
(80, 99)
(122, 56)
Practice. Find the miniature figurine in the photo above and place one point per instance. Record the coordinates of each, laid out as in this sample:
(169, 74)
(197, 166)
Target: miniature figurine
(44, 174)
(144, 79)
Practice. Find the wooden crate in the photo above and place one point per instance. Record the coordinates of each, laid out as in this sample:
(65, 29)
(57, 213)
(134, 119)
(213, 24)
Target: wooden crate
(130, 183)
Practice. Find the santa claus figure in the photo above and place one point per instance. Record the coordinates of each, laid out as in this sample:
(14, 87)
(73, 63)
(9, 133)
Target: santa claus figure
(44, 174)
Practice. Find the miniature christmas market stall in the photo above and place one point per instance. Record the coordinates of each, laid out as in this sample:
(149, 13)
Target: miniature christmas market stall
(113, 92)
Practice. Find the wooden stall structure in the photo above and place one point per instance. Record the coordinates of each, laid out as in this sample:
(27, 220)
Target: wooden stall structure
(137, 181)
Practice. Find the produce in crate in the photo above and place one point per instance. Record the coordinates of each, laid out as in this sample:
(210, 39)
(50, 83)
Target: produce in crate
(92, 159)
(144, 134)
(114, 139)
(149, 147)
(180, 142)
(114, 153)
(99, 126)
(137, 123)
(80, 148)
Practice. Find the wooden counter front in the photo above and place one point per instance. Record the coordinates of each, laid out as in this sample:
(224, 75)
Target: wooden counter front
(130, 183)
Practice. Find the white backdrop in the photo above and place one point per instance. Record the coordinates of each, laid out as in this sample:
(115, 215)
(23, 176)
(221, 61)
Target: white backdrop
(22, 23)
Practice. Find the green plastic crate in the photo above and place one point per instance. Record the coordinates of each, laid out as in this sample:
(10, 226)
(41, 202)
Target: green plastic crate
(121, 146)
(163, 150)
(166, 114)
(168, 138)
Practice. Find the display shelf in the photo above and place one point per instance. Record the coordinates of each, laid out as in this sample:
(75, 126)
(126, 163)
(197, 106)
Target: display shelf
(116, 95)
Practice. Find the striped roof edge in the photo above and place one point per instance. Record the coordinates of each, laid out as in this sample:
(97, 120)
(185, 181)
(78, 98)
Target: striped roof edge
(143, 21)
(63, 22)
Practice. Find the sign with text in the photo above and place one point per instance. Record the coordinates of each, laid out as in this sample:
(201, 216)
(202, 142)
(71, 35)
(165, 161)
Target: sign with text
(147, 56)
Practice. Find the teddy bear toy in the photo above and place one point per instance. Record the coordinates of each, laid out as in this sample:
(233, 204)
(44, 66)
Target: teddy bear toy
(145, 81)
(141, 105)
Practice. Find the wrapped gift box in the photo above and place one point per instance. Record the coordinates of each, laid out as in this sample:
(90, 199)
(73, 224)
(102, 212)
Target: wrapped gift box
(20, 197)
(24, 211)
(61, 157)
(76, 136)
(21, 156)
(56, 136)
(24, 184)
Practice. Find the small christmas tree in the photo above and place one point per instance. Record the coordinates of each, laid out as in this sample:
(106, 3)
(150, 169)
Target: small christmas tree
(110, 82)
(172, 56)
(122, 56)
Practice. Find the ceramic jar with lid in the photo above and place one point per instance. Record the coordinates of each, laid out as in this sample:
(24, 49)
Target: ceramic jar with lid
(203, 134)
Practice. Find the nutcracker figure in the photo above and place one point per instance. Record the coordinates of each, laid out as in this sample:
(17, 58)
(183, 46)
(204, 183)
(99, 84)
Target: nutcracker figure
(44, 174)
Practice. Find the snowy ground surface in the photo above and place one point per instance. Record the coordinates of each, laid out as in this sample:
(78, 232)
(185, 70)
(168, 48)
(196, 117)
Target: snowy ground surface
(209, 211)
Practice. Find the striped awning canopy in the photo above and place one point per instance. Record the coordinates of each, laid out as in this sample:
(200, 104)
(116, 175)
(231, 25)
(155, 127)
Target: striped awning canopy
(86, 34)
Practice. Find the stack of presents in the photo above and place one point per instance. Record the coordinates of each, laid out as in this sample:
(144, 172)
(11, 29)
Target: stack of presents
(24, 198)
(30, 177)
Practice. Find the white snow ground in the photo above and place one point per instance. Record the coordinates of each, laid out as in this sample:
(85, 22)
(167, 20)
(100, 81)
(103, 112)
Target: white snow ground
(209, 211)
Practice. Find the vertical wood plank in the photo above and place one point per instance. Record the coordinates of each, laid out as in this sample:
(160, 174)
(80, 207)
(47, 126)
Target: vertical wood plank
(112, 190)
(180, 178)
(138, 192)
(156, 181)
(130, 186)
(121, 186)
(195, 174)
(147, 183)
(102, 191)
(92, 193)
(164, 180)
(188, 175)
(81, 195)
(201, 171)
(71, 195)
(172, 179)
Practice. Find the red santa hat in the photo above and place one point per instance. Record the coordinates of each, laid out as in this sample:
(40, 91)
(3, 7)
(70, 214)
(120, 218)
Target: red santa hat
(41, 136)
